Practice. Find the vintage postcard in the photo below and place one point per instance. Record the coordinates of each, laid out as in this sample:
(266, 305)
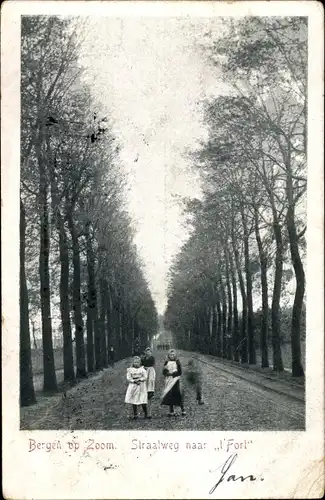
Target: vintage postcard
(162, 250)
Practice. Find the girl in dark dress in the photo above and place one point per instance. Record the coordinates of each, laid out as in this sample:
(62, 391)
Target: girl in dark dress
(148, 361)
(172, 394)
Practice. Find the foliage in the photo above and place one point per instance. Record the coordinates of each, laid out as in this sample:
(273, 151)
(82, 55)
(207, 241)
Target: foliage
(248, 229)
(87, 272)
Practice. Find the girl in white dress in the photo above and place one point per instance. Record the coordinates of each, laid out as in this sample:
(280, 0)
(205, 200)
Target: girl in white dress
(136, 393)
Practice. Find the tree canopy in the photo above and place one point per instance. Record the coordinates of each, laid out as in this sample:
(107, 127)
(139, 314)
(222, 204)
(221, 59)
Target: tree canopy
(81, 276)
(249, 225)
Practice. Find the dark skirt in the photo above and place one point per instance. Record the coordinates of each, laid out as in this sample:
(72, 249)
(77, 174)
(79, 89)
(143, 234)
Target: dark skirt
(174, 396)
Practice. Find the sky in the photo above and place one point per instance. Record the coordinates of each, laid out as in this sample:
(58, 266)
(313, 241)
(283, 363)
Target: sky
(150, 77)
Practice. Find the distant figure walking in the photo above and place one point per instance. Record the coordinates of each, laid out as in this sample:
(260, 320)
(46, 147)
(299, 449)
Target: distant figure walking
(136, 393)
(148, 361)
(194, 377)
(172, 394)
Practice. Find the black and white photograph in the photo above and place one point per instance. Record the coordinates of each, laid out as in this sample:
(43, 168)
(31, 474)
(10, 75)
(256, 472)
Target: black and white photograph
(163, 223)
(163, 228)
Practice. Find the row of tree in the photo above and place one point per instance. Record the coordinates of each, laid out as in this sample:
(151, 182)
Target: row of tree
(77, 255)
(248, 228)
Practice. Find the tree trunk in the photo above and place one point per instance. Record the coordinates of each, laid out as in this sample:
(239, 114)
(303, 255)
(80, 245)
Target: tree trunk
(265, 302)
(201, 329)
(34, 337)
(219, 326)
(80, 346)
(90, 336)
(122, 330)
(27, 393)
(249, 291)
(103, 338)
(297, 369)
(235, 336)
(214, 330)
(110, 305)
(108, 316)
(196, 330)
(276, 341)
(131, 333)
(115, 323)
(119, 327)
(96, 326)
(243, 340)
(68, 366)
(206, 333)
(50, 383)
(128, 332)
(136, 343)
(230, 307)
(91, 301)
(209, 332)
(127, 329)
(224, 319)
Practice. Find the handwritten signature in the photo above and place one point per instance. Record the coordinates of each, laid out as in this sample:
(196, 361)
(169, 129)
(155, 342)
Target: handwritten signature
(225, 468)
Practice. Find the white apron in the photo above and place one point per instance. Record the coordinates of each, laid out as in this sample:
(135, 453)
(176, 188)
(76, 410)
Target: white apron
(170, 381)
(136, 394)
(151, 379)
